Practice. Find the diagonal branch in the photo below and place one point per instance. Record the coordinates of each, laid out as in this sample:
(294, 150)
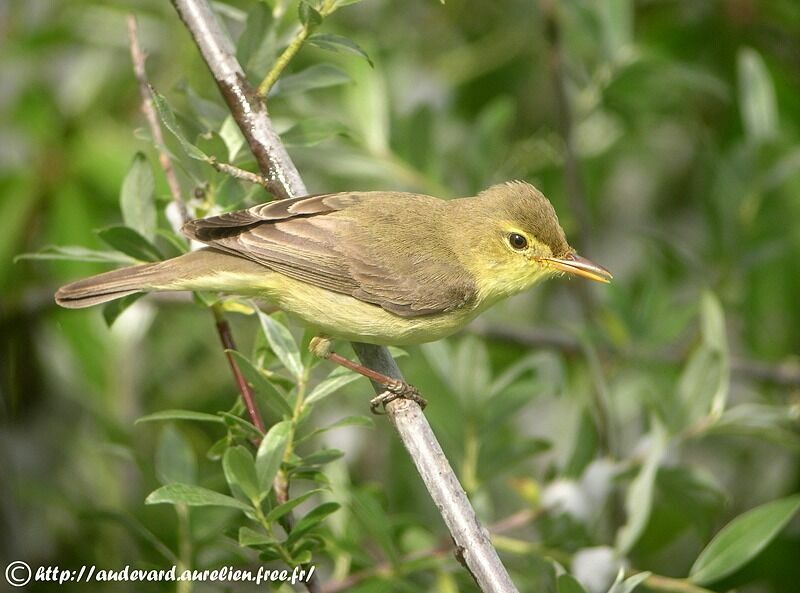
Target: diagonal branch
(471, 540)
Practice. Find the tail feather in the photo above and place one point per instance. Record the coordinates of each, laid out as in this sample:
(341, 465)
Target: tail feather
(178, 273)
(106, 287)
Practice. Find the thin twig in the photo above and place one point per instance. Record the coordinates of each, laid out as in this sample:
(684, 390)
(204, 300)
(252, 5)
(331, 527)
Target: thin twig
(283, 60)
(138, 58)
(242, 174)
(250, 114)
(223, 327)
(228, 345)
(664, 584)
(291, 50)
(247, 108)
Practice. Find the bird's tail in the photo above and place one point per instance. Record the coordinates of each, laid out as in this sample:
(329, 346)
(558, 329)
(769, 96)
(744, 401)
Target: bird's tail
(173, 274)
(106, 287)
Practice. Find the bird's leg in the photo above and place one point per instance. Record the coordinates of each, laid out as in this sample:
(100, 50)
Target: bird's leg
(322, 347)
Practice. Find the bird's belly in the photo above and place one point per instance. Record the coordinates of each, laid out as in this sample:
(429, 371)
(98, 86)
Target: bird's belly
(342, 316)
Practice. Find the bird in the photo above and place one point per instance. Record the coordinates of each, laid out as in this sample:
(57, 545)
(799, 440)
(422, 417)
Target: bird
(380, 267)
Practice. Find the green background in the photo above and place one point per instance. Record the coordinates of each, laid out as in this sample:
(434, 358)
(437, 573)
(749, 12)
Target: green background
(641, 416)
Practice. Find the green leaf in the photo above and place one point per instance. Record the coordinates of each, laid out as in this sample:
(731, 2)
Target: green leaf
(179, 243)
(339, 44)
(712, 323)
(282, 344)
(616, 17)
(175, 459)
(135, 528)
(543, 364)
(742, 539)
(209, 114)
(270, 454)
(235, 421)
(314, 77)
(193, 496)
(309, 16)
(240, 471)
(768, 422)
(368, 102)
(169, 120)
(584, 447)
(757, 101)
(311, 131)
(113, 309)
(568, 584)
(322, 457)
(130, 242)
(255, 47)
(136, 198)
(269, 553)
(329, 386)
(705, 381)
(639, 500)
(357, 420)
(232, 137)
(217, 450)
(691, 494)
(288, 506)
(302, 557)
(181, 415)
(440, 355)
(312, 519)
(250, 537)
(397, 352)
(74, 253)
(629, 584)
(262, 385)
(471, 370)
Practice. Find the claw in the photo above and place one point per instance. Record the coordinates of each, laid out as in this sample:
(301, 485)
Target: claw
(396, 390)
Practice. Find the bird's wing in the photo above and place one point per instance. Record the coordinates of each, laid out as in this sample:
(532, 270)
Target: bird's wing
(302, 238)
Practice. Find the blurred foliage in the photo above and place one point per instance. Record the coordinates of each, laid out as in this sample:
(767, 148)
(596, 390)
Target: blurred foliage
(657, 431)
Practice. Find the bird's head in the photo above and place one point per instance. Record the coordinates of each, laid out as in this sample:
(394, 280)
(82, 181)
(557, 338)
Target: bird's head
(520, 242)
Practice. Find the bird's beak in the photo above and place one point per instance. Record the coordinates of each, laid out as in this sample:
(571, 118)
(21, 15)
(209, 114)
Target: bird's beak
(580, 266)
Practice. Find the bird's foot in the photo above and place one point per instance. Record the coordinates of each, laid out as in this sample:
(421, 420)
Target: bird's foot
(321, 347)
(396, 390)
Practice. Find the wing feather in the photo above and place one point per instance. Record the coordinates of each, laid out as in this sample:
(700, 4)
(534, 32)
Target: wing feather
(313, 239)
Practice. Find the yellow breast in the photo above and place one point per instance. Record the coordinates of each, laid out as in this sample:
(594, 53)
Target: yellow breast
(338, 315)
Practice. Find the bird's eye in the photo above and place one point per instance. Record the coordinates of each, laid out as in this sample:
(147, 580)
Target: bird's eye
(517, 241)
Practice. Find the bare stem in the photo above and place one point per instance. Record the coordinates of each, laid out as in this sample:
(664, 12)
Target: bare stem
(138, 58)
(242, 174)
(223, 328)
(250, 113)
(669, 585)
(283, 60)
(291, 51)
(226, 337)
